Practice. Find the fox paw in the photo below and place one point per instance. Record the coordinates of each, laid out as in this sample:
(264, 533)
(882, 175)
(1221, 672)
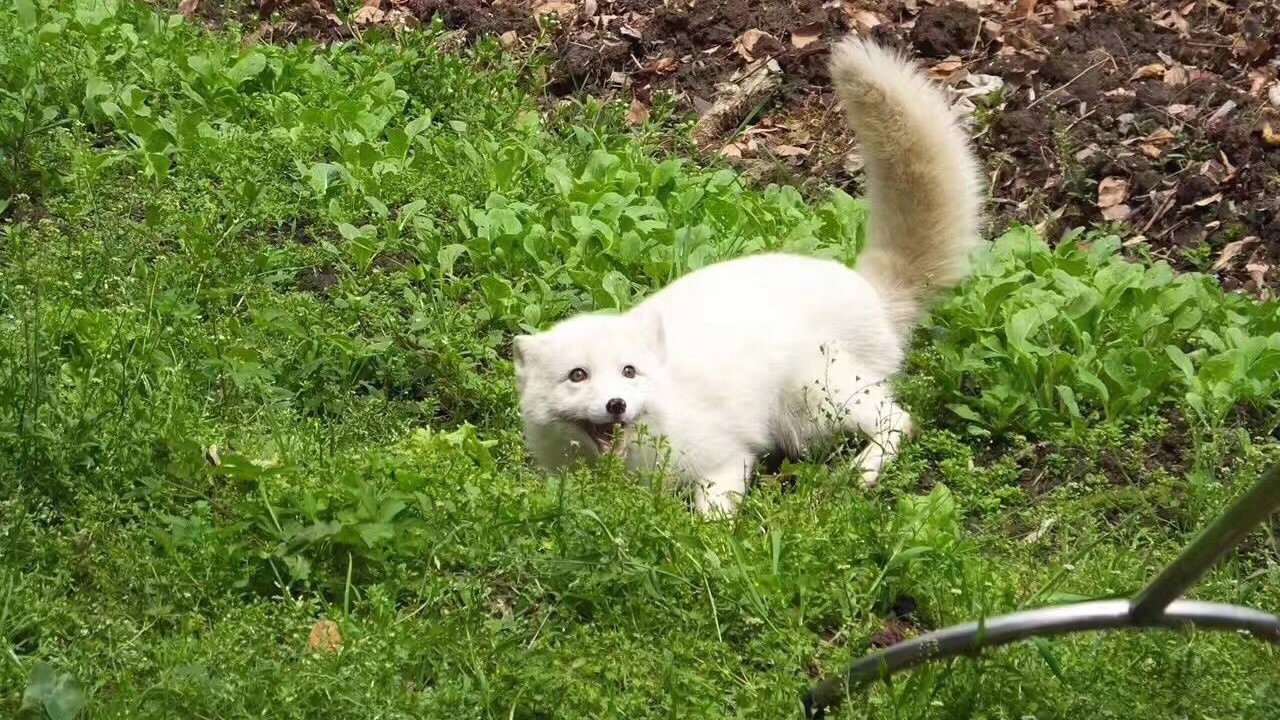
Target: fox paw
(717, 506)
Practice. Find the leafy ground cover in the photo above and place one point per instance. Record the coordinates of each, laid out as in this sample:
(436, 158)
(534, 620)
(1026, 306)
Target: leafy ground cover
(258, 442)
(1159, 118)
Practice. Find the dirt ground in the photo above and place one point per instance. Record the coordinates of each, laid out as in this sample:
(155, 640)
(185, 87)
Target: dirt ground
(1162, 118)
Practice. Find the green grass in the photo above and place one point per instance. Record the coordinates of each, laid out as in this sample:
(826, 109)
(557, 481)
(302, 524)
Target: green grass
(255, 307)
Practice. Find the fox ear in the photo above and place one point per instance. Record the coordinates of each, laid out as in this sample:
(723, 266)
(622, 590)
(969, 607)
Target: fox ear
(521, 348)
(656, 332)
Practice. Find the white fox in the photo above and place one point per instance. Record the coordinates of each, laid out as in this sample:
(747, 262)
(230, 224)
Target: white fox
(774, 352)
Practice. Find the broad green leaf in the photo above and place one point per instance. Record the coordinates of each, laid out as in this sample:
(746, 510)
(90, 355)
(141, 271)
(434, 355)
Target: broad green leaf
(1183, 362)
(27, 14)
(664, 173)
(57, 692)
(1069, 400)
(1025, 322)
(448, 255)
(247, 67)
(618, 287)
(966, 412)
(375, 533)
(902, 558)
(1091, 380)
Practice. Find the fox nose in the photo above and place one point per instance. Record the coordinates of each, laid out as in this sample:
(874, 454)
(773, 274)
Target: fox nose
(616, 406)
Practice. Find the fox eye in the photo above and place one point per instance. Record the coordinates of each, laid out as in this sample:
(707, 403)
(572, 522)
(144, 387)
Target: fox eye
(577, 375)
(628, 371)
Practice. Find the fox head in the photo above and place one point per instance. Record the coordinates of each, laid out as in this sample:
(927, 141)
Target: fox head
(595, 375)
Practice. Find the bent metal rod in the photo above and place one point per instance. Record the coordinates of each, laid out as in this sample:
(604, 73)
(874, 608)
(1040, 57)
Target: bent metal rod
(1155, 606)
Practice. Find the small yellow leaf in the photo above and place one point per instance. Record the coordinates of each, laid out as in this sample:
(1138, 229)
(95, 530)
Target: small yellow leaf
(1148, 71)
(638, 114)
(1269, 135)
(325, 636)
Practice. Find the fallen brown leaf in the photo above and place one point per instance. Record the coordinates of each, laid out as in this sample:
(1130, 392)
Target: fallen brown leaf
(370, 14)
(1148, 71)
(663, 65)
(509, 39)
(325, 636)
(638, 114)
(1175, 76)
(1231, 250)
(1249, 49)
(1116, 213)
(1151, 151)
(864, 21)
(806, 35)
(790, 151)
(1172, 20)
(325, 13)
(944, 69)
(1257, 81)
(1064, 12)
(992, 31)
(732, 150)
(188, 7)
(1153, 145)
(756, 43)
(1112, 191)
(1258, 273)
(1025, 8)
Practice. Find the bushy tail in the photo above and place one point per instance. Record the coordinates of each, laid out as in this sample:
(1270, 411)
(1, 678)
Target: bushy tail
(923, 185)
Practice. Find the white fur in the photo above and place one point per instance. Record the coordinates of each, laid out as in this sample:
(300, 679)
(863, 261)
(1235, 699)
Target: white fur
(776, 352)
